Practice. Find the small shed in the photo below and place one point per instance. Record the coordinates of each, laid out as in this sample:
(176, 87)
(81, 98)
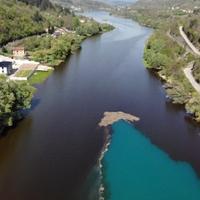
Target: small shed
(5, 67)
(18, 52)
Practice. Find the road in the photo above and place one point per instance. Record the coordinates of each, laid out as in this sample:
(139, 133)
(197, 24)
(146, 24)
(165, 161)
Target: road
(190, 77)
(189, 43)
(188, 69)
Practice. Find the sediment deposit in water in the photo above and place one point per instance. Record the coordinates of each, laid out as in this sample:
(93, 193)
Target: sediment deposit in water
(112, 117)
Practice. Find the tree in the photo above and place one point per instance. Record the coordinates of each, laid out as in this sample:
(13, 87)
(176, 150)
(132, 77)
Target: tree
(37, 17)
(42, 4)
(75, 23)
(14, 97)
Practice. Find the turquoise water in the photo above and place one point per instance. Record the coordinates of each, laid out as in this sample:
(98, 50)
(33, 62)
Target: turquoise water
(135, 169)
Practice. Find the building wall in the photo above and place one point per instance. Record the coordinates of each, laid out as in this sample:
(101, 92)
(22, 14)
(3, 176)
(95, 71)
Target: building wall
(6, 68)
(3, 70)
(19, 53)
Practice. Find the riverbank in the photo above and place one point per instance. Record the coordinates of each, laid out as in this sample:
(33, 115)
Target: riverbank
(167, 54)
(14, 98)
(59, 142)
(50, 49)
(53, 49)
(169, 61)
(48, 35)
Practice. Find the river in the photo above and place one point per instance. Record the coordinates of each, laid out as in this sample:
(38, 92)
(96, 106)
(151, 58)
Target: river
(50, 154)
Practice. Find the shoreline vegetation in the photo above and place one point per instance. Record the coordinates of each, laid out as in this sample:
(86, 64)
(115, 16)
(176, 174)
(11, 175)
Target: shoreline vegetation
(53, 49)
(14, 98)
(167, 54)
(49, 34)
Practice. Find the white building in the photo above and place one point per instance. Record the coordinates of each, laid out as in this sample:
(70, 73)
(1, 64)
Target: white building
(5, 67)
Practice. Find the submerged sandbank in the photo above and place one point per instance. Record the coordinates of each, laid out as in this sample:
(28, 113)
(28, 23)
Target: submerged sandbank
(112, 117)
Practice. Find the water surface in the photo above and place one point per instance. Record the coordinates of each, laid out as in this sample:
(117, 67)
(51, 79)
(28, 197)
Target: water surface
(134, 168)
(50, 154)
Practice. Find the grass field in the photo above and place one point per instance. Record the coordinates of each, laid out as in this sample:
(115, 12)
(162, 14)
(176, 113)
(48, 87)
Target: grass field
(23, 73)
(39, 77)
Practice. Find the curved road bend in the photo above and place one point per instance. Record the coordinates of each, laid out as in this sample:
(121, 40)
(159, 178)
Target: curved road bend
(188, 69)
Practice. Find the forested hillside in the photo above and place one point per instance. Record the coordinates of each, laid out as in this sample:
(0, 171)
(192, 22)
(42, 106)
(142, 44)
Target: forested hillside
(167, 3)
(18, 20)
(14, 97)
(83, 3)
(42, 4)
(192, 29)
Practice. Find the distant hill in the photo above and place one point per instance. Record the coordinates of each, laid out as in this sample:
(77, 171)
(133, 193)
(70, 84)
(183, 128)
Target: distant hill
(167, 3)
(82, 3)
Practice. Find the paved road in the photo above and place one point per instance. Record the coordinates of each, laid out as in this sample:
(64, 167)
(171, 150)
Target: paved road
(190, 77)
(189, 43)
(188, 69)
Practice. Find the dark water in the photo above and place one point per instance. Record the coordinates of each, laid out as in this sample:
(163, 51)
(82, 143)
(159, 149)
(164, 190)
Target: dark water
(49, 155)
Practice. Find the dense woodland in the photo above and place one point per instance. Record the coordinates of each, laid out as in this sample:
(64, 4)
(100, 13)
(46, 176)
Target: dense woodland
(51, 50)
(32, 18)
(85, 4)
(42, 4)
(163, 4)
(18, 20)
(14, 97)
(192, 29)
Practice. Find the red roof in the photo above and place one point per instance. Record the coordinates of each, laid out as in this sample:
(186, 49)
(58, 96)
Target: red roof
(18, 48)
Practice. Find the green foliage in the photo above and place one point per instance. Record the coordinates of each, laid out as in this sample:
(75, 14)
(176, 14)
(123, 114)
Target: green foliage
(42, 4)
(193, 106)
(23, 73)
(39, 77)
(91, 28)
(161, 52)
(75, 23)
(18, 20)
(37, 17)
(14, 97)
(106, 27)
(88, 29)
(178, 92)
(168, 58)
(52, 51)
(196, 70)
(192, 29)
(149, 17)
